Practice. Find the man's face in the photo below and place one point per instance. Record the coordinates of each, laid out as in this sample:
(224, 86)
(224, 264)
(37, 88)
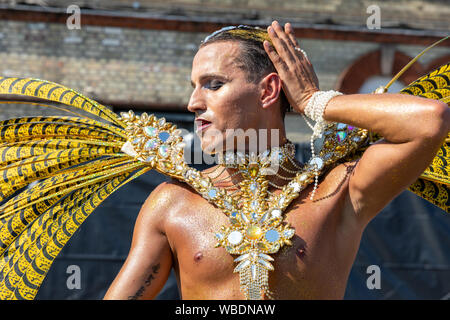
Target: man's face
(223, 98)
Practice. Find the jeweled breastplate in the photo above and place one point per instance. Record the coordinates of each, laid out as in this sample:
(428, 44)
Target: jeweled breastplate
(257, 228)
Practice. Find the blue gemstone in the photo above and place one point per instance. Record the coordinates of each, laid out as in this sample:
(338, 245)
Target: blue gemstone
(164, 136)
(212, 193)
(272, 235)
(341, 126)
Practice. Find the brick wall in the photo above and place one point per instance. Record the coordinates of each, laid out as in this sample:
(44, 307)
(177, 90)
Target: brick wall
(420, 14)
(146, 66)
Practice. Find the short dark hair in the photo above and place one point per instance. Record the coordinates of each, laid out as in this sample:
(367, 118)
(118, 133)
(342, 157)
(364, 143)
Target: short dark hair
(254, 59)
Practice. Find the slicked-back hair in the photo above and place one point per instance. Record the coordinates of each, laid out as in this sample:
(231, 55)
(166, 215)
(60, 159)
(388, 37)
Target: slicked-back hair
(253, 58)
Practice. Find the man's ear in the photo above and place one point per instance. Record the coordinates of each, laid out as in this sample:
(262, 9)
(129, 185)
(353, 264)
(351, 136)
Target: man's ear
(270, 89)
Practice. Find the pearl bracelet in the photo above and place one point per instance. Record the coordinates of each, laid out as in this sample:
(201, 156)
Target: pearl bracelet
(315, 110)
(316, 107)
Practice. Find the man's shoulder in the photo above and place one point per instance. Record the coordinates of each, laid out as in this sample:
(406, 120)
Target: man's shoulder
(171, 192)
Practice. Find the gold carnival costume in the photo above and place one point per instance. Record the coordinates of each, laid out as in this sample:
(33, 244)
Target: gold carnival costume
(63, 167)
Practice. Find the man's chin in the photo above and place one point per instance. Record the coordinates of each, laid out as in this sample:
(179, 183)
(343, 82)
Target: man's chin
(212, 148)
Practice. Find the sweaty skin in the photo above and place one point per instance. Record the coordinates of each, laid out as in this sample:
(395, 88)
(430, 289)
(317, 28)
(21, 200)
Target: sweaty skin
(176, 226)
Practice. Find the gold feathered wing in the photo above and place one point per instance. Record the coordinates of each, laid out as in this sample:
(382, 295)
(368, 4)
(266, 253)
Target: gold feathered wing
(70, 166)
(64, 167)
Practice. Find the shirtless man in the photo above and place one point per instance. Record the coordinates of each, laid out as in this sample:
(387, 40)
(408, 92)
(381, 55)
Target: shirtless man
(176, 226)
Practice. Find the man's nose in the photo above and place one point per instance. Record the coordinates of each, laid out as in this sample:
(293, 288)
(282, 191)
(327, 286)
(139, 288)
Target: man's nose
(196, 102)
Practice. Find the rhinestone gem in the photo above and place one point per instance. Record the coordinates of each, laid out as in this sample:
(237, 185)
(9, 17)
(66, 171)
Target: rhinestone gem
(341, 135)
(254, 232)
(303, 177)
(219, 236)
(254, 187)
(163, 151)
(262, 246)
(151, 144)
(244, 218)
(161, 122)
(253, 170)
(150, 131)
(137, 140)
(212, 193)
(253, 270)
(254, 204)
(274, 248)
(227, 205)
(327, 156)
(272, 235)
(242, 257)
(281, 201)
(295, 187)
(235, 237)
(242, 265)
(244, 247)
(276, 213)
(288, 233)
(164, 136)
(240, 157)
(341, 126)
(317, 161)
(266, 264)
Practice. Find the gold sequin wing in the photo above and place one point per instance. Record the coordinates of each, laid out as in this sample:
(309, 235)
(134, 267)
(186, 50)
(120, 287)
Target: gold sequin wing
(54, 172)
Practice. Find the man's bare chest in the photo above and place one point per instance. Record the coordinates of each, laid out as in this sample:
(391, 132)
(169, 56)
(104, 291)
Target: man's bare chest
(192, 237)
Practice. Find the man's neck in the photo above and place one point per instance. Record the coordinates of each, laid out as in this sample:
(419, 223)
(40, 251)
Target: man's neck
(229, 177)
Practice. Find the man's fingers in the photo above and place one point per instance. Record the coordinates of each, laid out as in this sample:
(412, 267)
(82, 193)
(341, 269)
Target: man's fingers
(290, 32)
(273, 55)
(280, 41)
(291, 35)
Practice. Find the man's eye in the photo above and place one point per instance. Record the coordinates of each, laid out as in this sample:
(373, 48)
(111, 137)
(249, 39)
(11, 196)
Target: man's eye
(214, 85)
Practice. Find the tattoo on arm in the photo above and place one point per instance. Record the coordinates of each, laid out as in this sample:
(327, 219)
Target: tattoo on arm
(147, 282)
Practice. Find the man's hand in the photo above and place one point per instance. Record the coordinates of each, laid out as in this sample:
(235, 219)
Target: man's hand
(295, 70)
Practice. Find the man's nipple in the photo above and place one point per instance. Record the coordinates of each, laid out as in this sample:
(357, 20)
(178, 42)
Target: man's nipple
(198, 256)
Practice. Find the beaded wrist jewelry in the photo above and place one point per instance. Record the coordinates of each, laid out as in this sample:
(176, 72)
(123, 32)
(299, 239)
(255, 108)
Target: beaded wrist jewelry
(315, 110)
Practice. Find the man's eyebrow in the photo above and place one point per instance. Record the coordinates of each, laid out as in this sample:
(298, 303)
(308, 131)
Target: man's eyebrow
(210, 75)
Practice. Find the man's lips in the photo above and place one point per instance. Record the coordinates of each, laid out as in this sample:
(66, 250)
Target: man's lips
(202, 124)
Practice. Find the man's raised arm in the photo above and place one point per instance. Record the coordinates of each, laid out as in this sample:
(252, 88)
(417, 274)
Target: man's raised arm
(413, 128)
(149, 261)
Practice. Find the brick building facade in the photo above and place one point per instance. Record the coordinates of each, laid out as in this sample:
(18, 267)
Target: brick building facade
(138, 54)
